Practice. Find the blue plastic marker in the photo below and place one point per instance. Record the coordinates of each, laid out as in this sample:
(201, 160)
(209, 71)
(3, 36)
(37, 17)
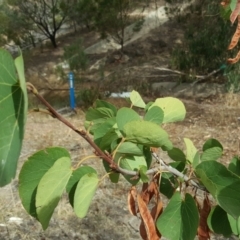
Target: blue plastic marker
(71, 88)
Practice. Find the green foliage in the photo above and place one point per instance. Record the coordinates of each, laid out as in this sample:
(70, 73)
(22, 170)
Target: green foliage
(75, 56)
(206, 37)
(222, 184)
(112, 17)
(125, 140)
(219, 223)
(33, 171)
(50, 189)
(180, 218)
(87, 186)
(13, 110)
(86, 97)
(172, 108)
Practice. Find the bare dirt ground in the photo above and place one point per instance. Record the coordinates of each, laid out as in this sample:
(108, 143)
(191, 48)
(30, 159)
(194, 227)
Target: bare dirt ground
(108, 217)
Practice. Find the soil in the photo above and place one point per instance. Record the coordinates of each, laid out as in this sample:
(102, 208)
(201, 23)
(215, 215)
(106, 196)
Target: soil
(108, 217)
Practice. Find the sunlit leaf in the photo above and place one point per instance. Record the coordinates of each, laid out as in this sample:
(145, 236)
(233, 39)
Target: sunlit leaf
(84, 193)
(147, 134)
(51, 188)
(136, 100)
(155, 115)
(143, 175)
(75, 178)
(191, 150)
(31, 173)
(174, 110)
(124, 116)
(129, 148)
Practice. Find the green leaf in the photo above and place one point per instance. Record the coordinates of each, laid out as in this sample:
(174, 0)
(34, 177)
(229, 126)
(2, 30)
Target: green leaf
(143, 175)
(136, 100)
(211, 154)
(107, 139)
(174, 110)
(167, 185)
(234, 165)
(218, 222)
(176, 154)
(147, 134)
(155, 115)
(124, 116)
(211, 143)
(129, 148)
(179, 165)
(19, 64)
(31, 173)
(103, 128)
(132, 163)
(234, 224)
(84, 193)
(98, 113)
(148, 106)
(101, 103)
(74, 179)
(148, 155)
(113, 176)
(51, 188)
(191, 150)
(222, 184)
(180, 218)
(13, 112)
(212, 150)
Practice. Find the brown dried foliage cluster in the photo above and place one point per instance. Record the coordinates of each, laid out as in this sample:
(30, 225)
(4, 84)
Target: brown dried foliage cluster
(234, 15)
(203, 229)
(147, 205)
(138, 204)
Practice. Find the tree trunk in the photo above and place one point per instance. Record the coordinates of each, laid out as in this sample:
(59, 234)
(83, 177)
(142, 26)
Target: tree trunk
(53, 40)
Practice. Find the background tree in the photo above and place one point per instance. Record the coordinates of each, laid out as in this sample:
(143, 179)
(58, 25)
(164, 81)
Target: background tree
(112, 17)
(15, 27)
(83, 13)
(48, 16)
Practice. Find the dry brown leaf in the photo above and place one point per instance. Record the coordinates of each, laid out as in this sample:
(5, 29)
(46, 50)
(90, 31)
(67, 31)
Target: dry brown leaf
(203, 229)
(149, 223)
(236, 36)
(148, 193)
(132, 195)
(234, 60)
(142, 231)
(156, 212)
(235, 12)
